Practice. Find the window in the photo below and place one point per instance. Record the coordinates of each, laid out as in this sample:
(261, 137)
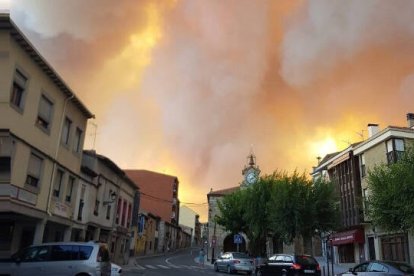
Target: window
(6, 235)
(5, 169)
(395, 149)
(58, 183)
(362, 162)
(66, 131)
(18, 89)
(129, 214)
(78, 140)
(108, 211)
(81, 202)
(69, 188)
(376, 267)
(96, 208)
(34, 170)
(124, 210)
(118, 210)
(35, 254)
(44, 116)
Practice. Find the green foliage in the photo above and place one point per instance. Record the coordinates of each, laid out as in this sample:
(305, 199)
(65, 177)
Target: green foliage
(279, 205)
(391, 204)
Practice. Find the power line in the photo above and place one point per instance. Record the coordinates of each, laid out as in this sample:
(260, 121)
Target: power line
(170, 201)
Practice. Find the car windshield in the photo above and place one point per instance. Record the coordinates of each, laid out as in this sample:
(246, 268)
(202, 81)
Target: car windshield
(240, 256)
(306, 260)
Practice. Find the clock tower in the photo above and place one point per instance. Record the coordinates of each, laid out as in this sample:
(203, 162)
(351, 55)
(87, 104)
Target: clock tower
(250, 172)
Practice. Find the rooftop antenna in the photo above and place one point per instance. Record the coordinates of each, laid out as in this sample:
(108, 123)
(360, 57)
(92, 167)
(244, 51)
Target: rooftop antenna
(360, 134)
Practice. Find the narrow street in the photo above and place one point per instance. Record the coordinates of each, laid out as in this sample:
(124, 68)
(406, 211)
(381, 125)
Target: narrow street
(180, 263)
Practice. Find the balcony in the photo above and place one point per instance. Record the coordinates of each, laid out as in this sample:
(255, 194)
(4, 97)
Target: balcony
(18, 193)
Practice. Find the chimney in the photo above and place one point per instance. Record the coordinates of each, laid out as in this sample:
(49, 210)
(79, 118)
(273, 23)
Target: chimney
(372, 130)
(410, 120)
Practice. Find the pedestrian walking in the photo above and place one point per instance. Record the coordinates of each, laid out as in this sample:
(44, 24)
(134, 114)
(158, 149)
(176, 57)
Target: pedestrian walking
(201, 255)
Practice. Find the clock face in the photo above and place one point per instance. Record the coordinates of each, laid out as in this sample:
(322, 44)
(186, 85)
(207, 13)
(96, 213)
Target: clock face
(251, 177)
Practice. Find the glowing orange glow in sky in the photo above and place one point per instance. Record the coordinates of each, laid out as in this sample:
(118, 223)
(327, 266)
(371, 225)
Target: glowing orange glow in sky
(187, 87)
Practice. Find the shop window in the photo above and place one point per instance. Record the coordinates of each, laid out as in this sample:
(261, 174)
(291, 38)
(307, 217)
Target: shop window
(346, 253)
(6, 235)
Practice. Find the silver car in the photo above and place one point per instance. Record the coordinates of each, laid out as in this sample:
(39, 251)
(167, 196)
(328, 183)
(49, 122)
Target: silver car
(60, 259)
(234, 262)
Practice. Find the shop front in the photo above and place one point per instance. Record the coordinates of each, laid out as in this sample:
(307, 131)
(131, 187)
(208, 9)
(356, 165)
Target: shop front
(350, 245)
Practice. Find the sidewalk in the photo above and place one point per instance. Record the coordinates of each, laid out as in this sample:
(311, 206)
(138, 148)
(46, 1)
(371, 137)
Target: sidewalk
(338, 268)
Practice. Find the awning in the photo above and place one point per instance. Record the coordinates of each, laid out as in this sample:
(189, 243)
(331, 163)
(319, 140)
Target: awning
(353, 236)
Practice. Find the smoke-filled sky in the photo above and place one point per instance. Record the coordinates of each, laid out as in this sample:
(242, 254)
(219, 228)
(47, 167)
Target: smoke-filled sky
(187, 88)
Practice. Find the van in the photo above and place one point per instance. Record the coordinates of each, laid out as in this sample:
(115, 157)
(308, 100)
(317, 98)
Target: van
(59, 259)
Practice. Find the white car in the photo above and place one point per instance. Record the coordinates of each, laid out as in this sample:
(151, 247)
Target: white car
(116, 270)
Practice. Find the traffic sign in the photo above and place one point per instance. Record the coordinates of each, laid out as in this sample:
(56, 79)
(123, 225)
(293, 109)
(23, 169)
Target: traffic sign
(238, 239)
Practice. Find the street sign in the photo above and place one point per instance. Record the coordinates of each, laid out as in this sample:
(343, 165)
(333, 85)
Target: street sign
(238, 239)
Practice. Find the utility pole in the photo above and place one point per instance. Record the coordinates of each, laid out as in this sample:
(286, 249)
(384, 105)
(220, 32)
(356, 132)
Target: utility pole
(213, 243)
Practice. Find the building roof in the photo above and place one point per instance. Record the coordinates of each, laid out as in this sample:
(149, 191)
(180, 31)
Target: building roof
(108, 162)
(223, 192)
(386, 133)
(7, 24)
(150, 176)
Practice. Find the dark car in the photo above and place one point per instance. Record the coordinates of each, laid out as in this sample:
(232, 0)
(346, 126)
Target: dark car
(381, 268)
(289, 265)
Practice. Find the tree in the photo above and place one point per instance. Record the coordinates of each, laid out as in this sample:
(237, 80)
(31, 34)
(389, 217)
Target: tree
(280, 205)
(300, 207)
(390, 202)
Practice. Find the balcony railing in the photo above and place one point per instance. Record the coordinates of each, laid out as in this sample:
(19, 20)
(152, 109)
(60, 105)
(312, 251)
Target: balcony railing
(18, 193)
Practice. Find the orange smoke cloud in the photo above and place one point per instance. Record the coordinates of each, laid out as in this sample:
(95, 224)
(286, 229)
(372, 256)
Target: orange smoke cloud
(187, 87)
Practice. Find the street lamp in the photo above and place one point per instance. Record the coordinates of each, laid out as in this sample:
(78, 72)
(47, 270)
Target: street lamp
(112, 197)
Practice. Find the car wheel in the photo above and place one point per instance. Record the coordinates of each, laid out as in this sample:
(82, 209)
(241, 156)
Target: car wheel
(229, 270)
(216, 268)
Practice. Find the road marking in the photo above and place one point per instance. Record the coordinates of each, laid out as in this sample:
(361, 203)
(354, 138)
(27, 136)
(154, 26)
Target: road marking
(163, 266)
(150, 266)
(174, 266)
(139, 267)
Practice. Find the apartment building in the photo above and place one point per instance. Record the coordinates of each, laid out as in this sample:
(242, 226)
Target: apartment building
(189, 219)
(385, 146)
(148, 235)
(343, 169)
(109, 196)
(159, 196)
(42, 126)
(358, 240)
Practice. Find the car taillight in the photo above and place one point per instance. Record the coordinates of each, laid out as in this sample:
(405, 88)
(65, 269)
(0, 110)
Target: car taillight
(236, 261)
(296, 266)
(318, 267)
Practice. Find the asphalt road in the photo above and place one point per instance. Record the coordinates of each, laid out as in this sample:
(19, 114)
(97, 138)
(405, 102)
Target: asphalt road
(178, 264)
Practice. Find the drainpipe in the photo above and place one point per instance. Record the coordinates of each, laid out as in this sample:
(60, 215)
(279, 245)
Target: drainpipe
(52, 177)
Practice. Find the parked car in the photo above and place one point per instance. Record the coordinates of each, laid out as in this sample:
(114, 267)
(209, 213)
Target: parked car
(381, 268)
(59, 259)
(234, 262)
(289, 265)
(116, 270)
